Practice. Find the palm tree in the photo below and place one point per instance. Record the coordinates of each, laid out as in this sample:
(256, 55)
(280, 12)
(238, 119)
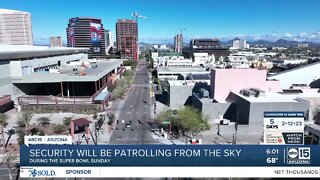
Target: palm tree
(20, 135)
(10, 132)
(17, 168)
(7, 159)
(44, 121)
(3, 124)
(24, 121)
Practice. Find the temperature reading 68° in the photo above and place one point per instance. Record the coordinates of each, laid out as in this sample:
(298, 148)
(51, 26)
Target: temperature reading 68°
(272, 160)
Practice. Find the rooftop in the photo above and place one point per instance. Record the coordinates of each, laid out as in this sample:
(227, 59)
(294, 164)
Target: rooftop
(85, 17)
(27, 51)
(68, 75)
(297, 68)
(201, 76)
(10, 11)
(280, 97)
(182, 69)
(205, 100)
(313, 128)
(81, 122)
(186, 82)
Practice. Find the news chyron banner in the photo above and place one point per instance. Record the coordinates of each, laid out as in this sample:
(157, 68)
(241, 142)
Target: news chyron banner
(283, 128)
(57, 161)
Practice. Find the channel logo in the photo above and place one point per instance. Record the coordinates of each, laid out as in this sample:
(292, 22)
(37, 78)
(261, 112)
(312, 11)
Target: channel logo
(299, 155)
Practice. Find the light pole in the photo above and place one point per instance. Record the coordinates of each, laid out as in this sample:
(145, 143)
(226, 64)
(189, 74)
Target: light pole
(234, 141)
(218, 132)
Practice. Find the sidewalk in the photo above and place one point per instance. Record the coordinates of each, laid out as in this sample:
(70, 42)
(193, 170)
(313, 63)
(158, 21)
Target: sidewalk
(162, 140)
(116, 107)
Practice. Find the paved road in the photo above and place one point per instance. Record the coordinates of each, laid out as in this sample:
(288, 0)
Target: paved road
(137, 110)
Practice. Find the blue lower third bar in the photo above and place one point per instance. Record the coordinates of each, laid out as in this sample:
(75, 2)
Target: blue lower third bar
(169, 155)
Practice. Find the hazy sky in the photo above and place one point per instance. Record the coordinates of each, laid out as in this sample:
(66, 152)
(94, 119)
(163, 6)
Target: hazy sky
(251, 19)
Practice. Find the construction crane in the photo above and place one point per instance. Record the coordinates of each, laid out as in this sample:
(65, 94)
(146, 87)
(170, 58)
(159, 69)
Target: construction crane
(182, 31)
(136, 16)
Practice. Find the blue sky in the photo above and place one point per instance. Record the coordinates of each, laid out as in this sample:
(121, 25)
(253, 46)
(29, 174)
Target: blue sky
(225, 19)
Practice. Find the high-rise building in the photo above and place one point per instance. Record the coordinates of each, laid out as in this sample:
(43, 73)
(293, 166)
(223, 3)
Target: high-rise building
(127, 38)
(15, 27)
(88, 33)
(239, 44)
(109, 40)
(178, 43)
(56, 42)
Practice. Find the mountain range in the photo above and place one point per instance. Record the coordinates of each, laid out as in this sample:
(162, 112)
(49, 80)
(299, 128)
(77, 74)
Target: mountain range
(280, 43)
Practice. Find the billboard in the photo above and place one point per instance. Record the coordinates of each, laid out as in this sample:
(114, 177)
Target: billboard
(71, 39)
(96, 36)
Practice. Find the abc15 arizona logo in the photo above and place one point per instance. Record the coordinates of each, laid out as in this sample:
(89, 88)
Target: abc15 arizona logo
(298, 155)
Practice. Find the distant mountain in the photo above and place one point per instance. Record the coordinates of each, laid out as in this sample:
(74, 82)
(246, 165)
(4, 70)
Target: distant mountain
(261, 43)
(226, 43)
(280, 42)
(285, 43)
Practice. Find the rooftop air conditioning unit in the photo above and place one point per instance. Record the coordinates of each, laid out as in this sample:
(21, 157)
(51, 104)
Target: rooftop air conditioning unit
(204, 93)
(247, 92)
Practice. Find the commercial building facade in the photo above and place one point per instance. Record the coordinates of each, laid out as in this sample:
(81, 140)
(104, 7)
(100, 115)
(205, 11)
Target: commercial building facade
(223, 81)
(55, 77)
(307, 75)
(243, 95)
(109, 40)
(86, 32)
(172, 73)
(248, 110)
(210, 46)
(16, 27)
(127, 38)
(180, 91)
(239, 44)
(56, 42)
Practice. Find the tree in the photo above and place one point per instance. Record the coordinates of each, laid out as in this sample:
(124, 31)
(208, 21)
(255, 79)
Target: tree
(167, 115)
(95, 115)
(17, 168)
(24, 121)
(8, 159)
(20, 135)
(186, 119)
(66, 121)
(3, 124)
(192, 120)
(111, 119)
(59, 128)
(10, 132)
(44, 121)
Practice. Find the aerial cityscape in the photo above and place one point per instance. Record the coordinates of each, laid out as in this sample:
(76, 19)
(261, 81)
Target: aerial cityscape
(168, 72)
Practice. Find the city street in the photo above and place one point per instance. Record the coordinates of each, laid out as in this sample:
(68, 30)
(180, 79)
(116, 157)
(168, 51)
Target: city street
(136, 112)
